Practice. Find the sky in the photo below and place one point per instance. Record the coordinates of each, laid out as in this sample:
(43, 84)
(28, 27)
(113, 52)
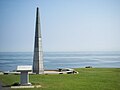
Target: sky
(66, 25)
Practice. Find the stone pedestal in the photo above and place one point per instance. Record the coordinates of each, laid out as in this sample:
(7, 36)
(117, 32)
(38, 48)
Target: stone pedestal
(24, 76)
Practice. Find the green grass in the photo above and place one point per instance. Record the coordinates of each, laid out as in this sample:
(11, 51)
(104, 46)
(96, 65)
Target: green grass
(87, 79)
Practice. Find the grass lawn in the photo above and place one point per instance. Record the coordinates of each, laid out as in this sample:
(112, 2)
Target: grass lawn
(87, 79)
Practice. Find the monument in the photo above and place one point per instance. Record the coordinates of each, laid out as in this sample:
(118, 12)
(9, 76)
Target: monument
(38, 52)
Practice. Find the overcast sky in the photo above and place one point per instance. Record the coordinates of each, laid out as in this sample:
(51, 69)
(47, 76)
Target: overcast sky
(66, 25)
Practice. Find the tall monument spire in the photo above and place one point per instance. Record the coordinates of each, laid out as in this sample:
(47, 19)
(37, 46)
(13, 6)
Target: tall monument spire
(38, 52)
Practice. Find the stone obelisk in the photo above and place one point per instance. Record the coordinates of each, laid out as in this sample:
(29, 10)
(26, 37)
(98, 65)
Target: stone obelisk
(38, 52)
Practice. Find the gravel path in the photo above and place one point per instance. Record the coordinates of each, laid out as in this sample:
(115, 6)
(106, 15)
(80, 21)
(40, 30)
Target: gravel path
(0, 85)
(3, 88)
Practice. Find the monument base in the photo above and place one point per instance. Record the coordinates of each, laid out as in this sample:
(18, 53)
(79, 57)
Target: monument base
(26, 84)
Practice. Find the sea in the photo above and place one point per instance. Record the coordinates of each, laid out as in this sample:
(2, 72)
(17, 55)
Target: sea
(54, 60)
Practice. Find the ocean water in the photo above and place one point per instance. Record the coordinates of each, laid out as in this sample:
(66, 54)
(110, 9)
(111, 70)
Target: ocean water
(53, 60)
